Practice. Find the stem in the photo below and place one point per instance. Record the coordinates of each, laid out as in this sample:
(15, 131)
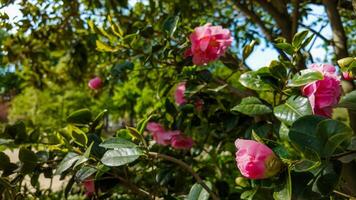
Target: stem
(343, 194)
(186, 167)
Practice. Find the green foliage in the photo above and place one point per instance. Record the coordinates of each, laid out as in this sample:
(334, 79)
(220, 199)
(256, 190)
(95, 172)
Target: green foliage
(62, 127)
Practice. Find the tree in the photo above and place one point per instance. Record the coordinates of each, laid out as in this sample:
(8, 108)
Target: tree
(139, 50)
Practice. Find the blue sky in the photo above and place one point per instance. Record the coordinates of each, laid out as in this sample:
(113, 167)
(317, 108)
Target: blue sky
(262, 55)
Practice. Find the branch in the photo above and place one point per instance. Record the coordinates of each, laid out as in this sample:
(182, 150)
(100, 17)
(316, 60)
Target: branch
(186, 167)
(295, 17)
(317, 33)
(257, 20)
(254, 18)
(282, 19)
(236, 91)
(134, 188)
(339, 36)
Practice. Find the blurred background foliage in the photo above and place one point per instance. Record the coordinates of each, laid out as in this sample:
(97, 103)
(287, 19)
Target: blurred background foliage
(53, 49)
(49, 54)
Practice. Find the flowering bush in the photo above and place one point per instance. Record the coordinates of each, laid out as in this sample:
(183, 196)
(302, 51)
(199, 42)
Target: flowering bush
(200, 125)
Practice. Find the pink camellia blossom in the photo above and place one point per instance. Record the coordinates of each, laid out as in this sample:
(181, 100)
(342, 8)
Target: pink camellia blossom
(95, 83)
(179, 93)
(89, 187)
(208, 43)
(164, 138)
(155, 127)
(160, 135)
(255, 160)
(182, 142)
(323, 94)
(348, 76)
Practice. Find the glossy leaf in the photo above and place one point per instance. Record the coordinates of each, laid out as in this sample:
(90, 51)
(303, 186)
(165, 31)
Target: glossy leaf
(252, 106)
(284, 193)
(299, 38)
(84, 173)
(67, 162)
(306, 76)
(303, 133)
(331, 134)
(122, 156)
(294, 108)
(117, 143)
(101, 46)
(197, 192)
(170, 25)
(288, 48)
(82, 116)
(253, 81)
(348, 101)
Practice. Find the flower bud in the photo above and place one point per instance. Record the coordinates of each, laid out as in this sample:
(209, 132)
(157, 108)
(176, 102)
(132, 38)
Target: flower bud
(255, 160)
(348, 76)
(95, 83)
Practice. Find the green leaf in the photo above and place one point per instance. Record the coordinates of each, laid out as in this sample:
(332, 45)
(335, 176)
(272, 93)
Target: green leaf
(253, 81)
(99, 118)
(5, 161)
(348, 101)
(278, 70)
(252, 106)
(78, 135)
(345, 62)
(100, 46)
(170, 25)
(294, 108)
(122, 156)
(197, 192)
(299, 38)
(310, 161)
(285, 192)
(331, 134)
(85, 157)
(248, 49)
(286, 47)
(26, 155)
(307, 41)
(67, 162)
(303, 133)
(84, 173)
(249, 194)
(328, 179)
(113, 143)
(141, 126)
(306, 76)
(28, 159)
(82, 116)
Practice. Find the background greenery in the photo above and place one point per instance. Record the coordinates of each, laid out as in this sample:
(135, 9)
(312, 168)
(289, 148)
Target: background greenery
(48, 56)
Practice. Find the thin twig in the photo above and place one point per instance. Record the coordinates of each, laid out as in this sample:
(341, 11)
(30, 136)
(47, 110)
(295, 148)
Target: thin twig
(344, 195)
(186, 167)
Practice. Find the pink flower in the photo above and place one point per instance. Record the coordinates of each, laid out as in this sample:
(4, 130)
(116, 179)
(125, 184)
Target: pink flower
(89, 187)
(179, 94)
(208, 43)
(182, 142)
(348, 76)
(95, 83)
(256, 160)
(164, 138)
(323, 94)
(160, 135)
(154, 127)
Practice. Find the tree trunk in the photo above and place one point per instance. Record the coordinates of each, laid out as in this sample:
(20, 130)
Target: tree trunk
(339, 41)
(340, 48)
